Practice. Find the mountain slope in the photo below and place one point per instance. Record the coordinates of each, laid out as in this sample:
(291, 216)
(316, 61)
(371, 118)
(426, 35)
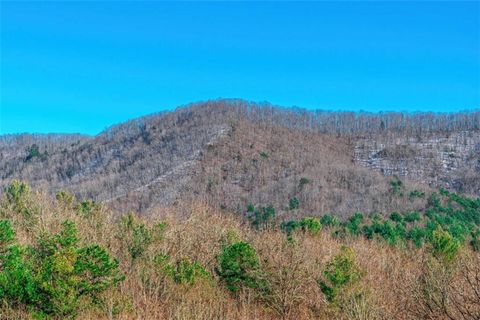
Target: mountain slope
(232, 153)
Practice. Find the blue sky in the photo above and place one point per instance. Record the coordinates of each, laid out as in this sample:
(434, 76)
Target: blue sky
(83, 66)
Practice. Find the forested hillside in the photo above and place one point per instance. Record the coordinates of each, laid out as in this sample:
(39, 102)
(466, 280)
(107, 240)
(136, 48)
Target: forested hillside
(61, 258)
(232, 152)
(234, 210)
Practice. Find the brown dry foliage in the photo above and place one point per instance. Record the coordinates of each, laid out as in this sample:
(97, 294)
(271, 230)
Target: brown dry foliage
(213, 151)
(393, 286)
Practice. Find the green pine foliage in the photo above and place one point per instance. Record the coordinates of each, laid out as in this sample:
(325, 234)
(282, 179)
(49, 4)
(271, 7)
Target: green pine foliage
(239, 266)
(329, 220)
(456, 214)
(339, 274)
(137, 236)
(395, 216)
(17, 197)
(443, 245)
(185, 271)
(87, 208)
(416, 194)
(352, 225)
(262, 218)
(54, 272)
(65, 198)
(34, 152)
(308, 225)
(397, 187)
(311, 225)
(294, 203)
(55, 275)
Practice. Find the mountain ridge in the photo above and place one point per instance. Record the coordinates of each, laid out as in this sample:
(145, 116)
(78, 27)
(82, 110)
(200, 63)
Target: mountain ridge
(233, 152)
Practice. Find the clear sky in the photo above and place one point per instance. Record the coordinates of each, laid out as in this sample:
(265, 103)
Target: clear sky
(82, 66)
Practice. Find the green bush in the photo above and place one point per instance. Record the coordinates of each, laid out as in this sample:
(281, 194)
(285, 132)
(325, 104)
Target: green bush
(136, 236)
(307, 224)
(7, 234)
(459, 215)
(239, 266)
(184, 271)
(310, 225)
(444, 192)
(55, 276)
(353, 223)
(34, 152)
(340, 273)
(458, 229)
(96, 269)
(17, 283)
(17, 192)
(329, 220)
(187, 272)
(443, 245)
(396, 185)
(16, 280)
(389, 232)
(434, 200)
(294, 203)
(263, 218)
(65, 198)
(368, 231)
(395, 216)
(416, 194)
(417, 236)
(17, 195)
(87, 208)
(70, 172)
(412, 217)
(289, 226)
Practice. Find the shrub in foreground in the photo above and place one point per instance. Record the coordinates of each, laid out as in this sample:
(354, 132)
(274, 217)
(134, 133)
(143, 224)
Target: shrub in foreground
(239, 266)
(55, 276)
(339, 274)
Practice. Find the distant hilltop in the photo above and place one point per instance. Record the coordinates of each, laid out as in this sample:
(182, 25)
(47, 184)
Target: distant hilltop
(232, 152)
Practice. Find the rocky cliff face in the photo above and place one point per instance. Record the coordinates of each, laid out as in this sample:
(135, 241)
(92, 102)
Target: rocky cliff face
(439, 160)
